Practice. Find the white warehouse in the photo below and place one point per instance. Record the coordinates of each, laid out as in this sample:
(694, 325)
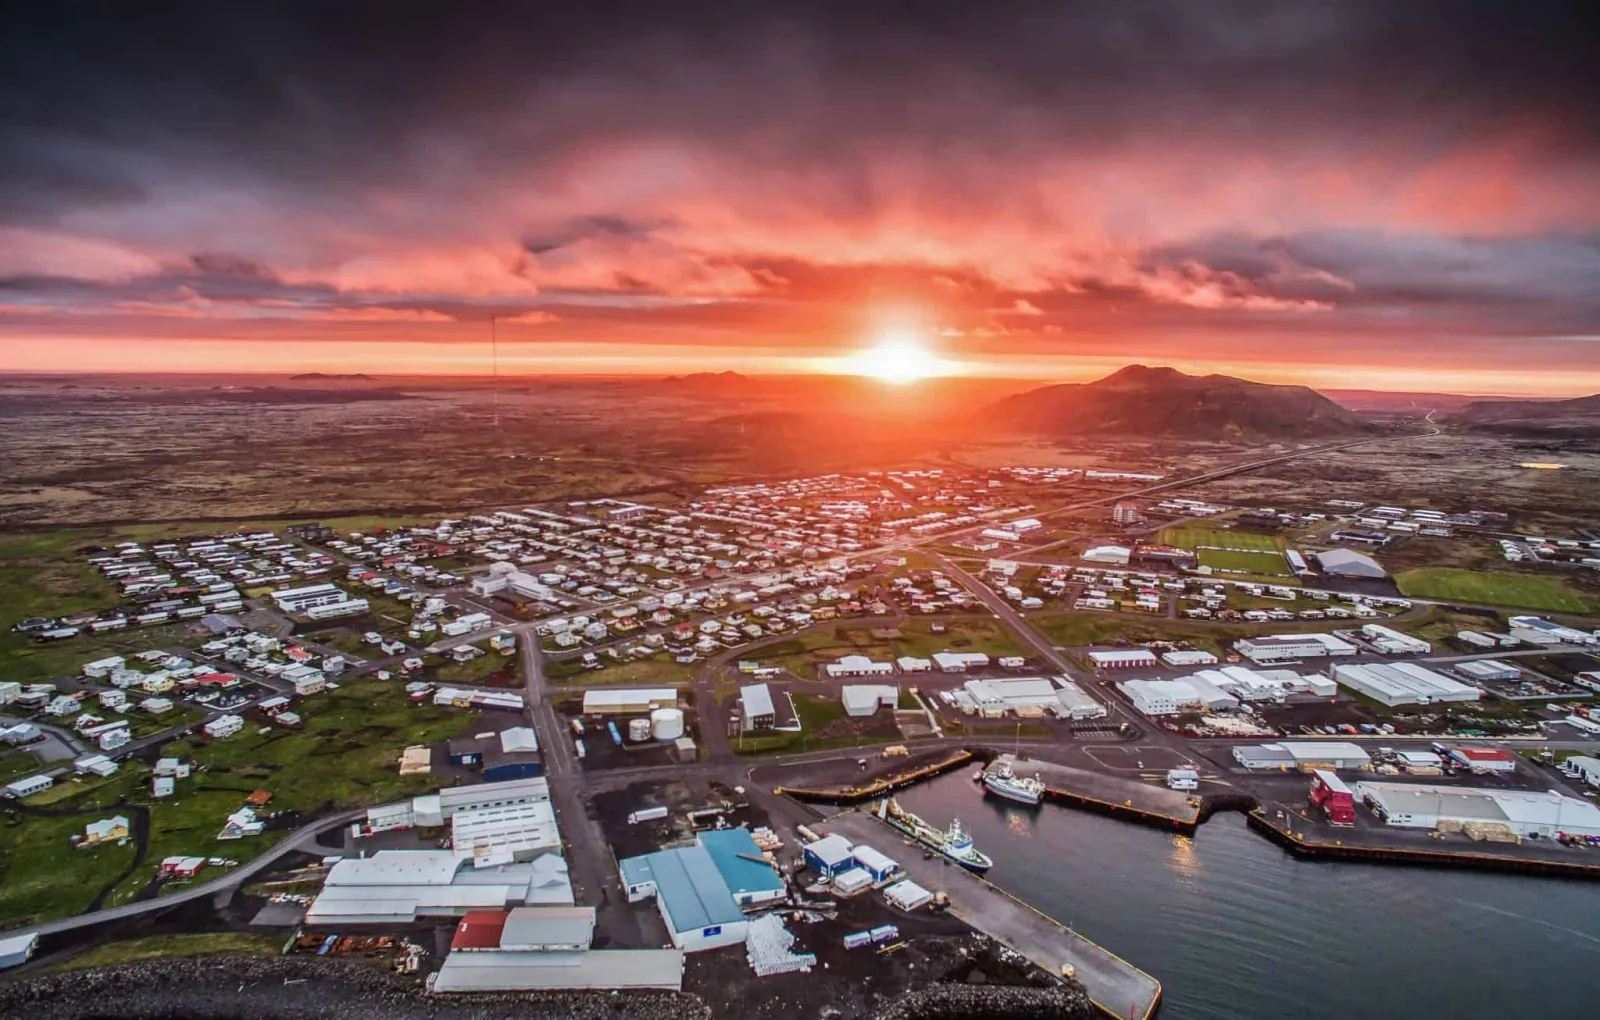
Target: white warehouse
(1289, 647)
(1525, 812)
(1403, 683)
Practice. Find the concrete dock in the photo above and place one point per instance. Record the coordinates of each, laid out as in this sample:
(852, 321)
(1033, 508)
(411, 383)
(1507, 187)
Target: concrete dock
(1115, 795)
(1117, 987)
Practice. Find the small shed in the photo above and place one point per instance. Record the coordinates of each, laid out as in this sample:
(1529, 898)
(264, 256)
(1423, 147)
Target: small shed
(829, 855)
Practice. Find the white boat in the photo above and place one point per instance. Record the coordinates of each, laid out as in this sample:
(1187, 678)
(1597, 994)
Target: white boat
(1003, 782)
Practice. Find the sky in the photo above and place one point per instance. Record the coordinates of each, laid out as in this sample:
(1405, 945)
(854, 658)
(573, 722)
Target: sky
(1347, 194)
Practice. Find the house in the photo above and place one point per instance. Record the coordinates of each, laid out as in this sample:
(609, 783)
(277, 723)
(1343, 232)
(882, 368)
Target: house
(223, 726)
(28, 786)
(156, 706)
(106, 830)
(62, 705)
(162, 786)
(181, 867)
(756, 711)
(315, 683)
(912, 664)
(95, 765)
(114, 700)
(241, 823)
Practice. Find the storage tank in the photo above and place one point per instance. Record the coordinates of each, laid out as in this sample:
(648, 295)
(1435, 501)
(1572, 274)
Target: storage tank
(667, 723)
(638, 729)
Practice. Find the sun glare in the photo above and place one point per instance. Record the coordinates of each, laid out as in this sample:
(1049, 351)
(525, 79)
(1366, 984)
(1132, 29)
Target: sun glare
(897, 358)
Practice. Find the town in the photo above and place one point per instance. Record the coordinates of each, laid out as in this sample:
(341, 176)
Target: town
(591, 744)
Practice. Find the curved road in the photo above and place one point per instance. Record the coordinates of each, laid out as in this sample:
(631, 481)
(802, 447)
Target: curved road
(299, 840)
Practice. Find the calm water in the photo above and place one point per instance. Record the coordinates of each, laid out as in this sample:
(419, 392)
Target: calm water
(1237, 930)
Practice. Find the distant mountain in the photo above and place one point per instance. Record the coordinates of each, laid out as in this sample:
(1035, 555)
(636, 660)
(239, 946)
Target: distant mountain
(1139, 400)
(1577, 416)
(331, 377)
(710, 383)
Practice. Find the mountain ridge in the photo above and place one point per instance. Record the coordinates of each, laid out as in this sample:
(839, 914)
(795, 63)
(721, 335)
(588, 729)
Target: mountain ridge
(1162, 401)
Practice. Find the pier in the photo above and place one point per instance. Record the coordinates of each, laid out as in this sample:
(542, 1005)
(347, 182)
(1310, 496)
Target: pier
(1115, 986)
(1127, 799)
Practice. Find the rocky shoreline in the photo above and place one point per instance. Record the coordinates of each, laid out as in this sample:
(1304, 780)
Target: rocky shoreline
(244, 987)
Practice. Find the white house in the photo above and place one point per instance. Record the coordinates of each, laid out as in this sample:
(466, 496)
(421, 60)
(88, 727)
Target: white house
(224, 726)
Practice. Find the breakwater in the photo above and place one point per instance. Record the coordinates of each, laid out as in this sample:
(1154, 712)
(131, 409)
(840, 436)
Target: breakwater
(1340, 850)
(857, 794)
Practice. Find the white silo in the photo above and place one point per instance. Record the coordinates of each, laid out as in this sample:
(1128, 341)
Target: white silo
(667, 723)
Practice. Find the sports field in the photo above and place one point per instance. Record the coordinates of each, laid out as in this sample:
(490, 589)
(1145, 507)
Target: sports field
(1262, 562)
(1491, 588)
(1194, 536)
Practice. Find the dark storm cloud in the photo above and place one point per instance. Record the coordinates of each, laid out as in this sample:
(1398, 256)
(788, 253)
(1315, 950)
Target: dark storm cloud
(1130, 165)
(102, 102)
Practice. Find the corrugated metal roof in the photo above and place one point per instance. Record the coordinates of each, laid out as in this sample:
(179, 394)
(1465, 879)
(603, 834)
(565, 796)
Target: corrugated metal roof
(741, 874)
(533, 927)
(597, 968)
(691, 889)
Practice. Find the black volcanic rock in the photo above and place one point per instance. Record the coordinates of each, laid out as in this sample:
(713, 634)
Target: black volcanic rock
(1158, 401)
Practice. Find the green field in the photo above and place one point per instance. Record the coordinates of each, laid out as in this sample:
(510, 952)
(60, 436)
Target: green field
(161, 946)
(1074, 630)
(1268, 563)
(814, 712)
(652, 671)
(1193, 536)
(1521, 591)
(343, 755)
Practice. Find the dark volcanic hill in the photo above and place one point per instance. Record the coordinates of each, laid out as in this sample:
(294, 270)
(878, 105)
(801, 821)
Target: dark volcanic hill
(1144, 401)
(1578, 416)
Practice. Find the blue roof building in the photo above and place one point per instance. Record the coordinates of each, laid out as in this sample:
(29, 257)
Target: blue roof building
(749, 877)
(694, 900)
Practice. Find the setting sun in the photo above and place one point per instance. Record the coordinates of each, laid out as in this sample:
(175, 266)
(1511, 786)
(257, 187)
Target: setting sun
(897, 358)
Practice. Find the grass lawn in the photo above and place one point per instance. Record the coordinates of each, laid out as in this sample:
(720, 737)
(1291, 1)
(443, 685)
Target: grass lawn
(159, 946)
(478, 671)
(815, 713)
(805, 653)
(653, 671)
(1070, 630)
(43, 877)
(343, 755)
(1263, 562)
(1522, 591)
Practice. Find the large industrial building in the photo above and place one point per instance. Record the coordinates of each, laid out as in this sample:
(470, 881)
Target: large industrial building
(1290, 647)
(1304, 756)
(434, 809)
(1389, 641)
(543, 948)
(400, 886)
(1024, 697)
(1403, 683)
(1523, 812)
(1345, 563)
(611, 701)
(701, 890)
(1171, 697)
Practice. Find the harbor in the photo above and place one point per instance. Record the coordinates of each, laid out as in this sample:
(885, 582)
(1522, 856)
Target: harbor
(1128, 799)
(1116, 987)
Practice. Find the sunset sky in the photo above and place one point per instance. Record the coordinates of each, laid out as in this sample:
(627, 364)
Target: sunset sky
(1392, 195)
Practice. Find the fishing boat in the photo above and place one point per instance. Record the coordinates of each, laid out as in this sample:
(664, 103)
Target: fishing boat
(1003, 782)
(953, 843)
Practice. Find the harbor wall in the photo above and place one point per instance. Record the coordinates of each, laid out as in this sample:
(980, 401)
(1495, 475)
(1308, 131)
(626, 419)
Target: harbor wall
(1318, 850)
